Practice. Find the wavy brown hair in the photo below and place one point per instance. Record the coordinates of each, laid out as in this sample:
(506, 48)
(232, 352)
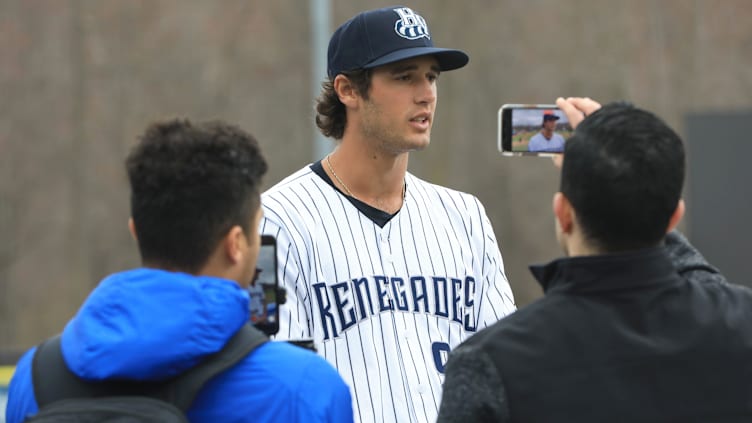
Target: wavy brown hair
(331, 116)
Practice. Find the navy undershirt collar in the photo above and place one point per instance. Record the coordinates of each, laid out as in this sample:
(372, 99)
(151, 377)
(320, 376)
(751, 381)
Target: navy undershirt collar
(379, 217)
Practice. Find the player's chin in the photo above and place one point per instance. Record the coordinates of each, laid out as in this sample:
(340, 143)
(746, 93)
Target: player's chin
(420, 142)
(408, 144)
(414, 147)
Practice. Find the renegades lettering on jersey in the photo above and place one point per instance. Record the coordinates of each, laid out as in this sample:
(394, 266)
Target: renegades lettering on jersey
(341, 305)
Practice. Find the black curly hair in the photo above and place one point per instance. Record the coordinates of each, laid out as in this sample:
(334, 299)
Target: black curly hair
(190, 184)
(623, 172)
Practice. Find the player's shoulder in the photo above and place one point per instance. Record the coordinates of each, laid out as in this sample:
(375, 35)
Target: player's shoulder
(301, 187)
(421, 184)
(291, 182)
(292, 202)
(440, 195)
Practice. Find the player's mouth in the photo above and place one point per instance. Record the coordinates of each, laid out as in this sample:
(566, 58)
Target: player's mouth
(421, 121)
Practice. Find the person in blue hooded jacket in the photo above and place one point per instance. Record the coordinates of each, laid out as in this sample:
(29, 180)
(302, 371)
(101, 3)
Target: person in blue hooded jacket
(195, 211)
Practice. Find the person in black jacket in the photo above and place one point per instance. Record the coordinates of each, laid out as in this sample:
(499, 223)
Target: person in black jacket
(635, 325)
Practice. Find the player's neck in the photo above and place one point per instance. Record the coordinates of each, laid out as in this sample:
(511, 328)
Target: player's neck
(548, 133)
(370, 176)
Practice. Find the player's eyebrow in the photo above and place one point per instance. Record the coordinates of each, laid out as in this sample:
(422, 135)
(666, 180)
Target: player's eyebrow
(411, 67)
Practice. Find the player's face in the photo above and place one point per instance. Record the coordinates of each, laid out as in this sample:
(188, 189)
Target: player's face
(399, 112)
(549, 124)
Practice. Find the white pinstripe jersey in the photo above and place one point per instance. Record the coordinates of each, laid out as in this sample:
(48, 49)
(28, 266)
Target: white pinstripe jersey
(385, 305)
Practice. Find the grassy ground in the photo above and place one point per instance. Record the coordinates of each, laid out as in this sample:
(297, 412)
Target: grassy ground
(5, 373)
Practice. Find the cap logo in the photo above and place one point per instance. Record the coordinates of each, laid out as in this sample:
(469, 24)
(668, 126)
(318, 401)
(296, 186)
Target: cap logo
(410, 25)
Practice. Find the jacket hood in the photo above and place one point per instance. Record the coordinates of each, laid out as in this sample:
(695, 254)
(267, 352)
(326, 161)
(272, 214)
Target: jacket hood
(148, 324)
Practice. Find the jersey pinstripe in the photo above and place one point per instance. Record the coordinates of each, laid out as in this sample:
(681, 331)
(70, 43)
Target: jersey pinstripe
(385, 305)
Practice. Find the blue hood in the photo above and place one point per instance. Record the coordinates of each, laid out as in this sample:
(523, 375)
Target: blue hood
(147, 324)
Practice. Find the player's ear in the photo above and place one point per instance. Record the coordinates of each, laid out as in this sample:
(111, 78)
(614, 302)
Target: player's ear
(676, 216)
(564, 212)
(346, 91)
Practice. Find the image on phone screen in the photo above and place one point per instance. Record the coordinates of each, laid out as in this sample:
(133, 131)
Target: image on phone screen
(532, 129)
(263, 290)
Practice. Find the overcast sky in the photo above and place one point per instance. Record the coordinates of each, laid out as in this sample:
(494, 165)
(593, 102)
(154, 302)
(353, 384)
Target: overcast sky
(534, 117)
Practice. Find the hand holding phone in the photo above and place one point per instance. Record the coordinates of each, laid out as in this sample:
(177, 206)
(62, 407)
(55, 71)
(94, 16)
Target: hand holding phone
(577, 108)
(532, 130)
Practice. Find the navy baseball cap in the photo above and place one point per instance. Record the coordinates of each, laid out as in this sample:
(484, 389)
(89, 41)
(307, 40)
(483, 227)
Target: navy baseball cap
(382, 36)
(550, 115)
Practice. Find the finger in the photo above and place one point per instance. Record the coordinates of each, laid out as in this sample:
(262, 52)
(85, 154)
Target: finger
(558, 159)
(569, 108)
(586, 105)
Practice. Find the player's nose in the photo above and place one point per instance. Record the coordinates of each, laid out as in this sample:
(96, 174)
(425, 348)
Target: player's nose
(425, 92)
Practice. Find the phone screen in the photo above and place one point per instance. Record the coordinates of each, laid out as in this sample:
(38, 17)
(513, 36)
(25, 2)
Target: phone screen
(263, 290)
(532, 129)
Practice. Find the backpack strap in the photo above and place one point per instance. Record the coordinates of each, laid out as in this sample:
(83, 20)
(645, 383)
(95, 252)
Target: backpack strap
(53, 381)
(49, 362)
(182, 390)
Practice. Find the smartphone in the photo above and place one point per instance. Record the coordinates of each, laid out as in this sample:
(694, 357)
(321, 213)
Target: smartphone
(264, 288)
(532, 130)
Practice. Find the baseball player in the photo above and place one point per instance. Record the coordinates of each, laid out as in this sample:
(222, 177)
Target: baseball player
(547, 140)
(386, 272)
(257, 305)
